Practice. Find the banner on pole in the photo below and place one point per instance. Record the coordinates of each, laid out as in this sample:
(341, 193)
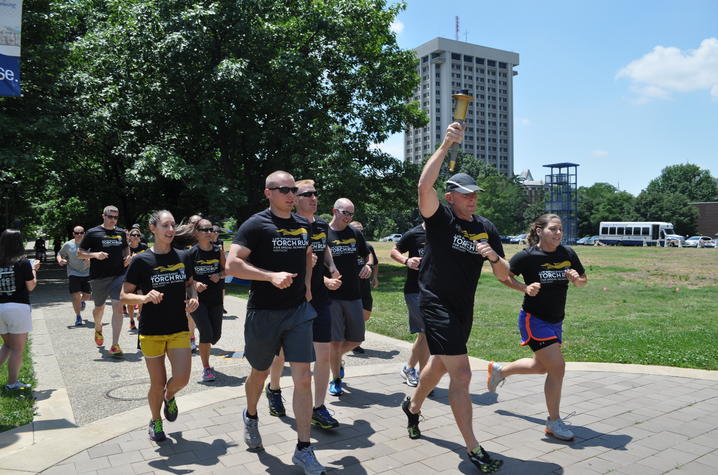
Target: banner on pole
(10, 27)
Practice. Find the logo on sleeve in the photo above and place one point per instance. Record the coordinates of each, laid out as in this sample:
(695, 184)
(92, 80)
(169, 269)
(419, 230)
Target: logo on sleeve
(291, 239)
(554, 271)
(167, 275)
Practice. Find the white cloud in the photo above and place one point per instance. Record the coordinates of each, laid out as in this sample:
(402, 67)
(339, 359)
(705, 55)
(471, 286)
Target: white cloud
(599, 153)
(667, 70)
(524, 121)
(397, 26)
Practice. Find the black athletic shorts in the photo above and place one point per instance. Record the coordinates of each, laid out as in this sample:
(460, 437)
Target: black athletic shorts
(367, 301)
(79, 284)
(208, 319)
(323, 323)
(447, 330)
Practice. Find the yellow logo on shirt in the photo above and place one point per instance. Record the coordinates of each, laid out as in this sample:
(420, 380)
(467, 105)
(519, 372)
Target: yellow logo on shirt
(292, 232)
(474, 237)
(207, 262)
(556, 265)
(317, 237)
(340, 242)
(172, 268)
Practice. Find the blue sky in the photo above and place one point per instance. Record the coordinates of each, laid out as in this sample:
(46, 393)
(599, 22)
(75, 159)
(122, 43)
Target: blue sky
(623, 88)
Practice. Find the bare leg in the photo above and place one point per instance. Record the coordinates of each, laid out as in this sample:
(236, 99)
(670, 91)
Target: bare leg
(339, 349)
(77, 302)
(116, 321)
(181, 363)
(419, 352)
(204, 349)
(275, 371)
(551, 358)
(14, 344)
(253, 387)
(158, 381)
(97, 313)
(321, 372)
(428, 379)
(302, 399)
(367, 314)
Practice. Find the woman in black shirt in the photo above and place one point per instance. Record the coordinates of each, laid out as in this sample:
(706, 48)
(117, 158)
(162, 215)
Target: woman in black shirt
(17, 279)
(134, 238)
(164, 275)
(547, 268)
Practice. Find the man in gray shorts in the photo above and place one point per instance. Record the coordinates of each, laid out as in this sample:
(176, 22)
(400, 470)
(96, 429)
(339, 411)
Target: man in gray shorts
(413, 242)
(106, 247)
(348, 247)
(78, 272)
(273, 250)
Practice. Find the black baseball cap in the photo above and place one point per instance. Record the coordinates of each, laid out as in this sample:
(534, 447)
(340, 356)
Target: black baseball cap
(462, 183)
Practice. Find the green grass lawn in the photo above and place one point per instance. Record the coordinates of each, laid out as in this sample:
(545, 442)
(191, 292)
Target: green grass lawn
(641, 305)
(17, 407)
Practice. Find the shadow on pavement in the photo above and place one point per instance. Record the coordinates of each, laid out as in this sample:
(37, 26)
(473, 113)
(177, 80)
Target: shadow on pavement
(511, 465)
(180, 451)
(107, 358)
(585, 437)
(358, 398)
(369, 353)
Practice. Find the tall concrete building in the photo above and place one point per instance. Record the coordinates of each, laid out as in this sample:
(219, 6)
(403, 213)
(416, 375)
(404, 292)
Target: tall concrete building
(448, 66)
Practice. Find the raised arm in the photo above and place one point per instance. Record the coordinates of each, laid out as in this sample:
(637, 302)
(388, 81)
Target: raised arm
(428, 199)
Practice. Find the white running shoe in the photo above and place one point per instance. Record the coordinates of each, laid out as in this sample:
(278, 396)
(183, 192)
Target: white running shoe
(411, 377)
(494, 377)
(251, 432)
(558, 429)
(306, 459)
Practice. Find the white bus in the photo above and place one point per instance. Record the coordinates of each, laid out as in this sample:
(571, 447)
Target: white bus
(634, 233)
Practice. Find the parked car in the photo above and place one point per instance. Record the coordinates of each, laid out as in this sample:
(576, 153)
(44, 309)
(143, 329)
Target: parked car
(675, 240)
(519, 239)
(391, 237)
(505, 239)
(699, 241)
(587, 240)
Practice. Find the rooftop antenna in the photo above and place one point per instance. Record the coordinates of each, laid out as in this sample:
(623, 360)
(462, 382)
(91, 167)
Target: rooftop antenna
(457, 28)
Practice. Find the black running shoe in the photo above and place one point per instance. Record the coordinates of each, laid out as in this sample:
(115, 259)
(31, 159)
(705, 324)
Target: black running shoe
(171, 410)
(483, 461)
(276, 404)
(322, 418)
(412, 419)
(156, 431)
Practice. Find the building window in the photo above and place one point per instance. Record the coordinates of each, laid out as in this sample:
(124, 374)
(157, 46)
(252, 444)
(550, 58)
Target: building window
(479, 60)
(456, 56)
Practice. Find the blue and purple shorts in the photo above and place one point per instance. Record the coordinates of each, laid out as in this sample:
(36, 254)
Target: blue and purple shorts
(537, 333)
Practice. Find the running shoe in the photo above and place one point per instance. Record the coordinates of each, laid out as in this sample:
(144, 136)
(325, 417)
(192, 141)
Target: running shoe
(99, 339)
(335, 387)
(171, 410)
(132, 324)
(208, 375)
(358, 350)
(412, 419)
(494, 377)
(251, 432)
(83, 305)
(411, 377)
(557, 428)
(78, 321)
(341, 370)
(306, 459)
(18, 385)
(193, 346)
(276, 402)
(116, 351)
(483, 461)
(156, 431)
(321, 418)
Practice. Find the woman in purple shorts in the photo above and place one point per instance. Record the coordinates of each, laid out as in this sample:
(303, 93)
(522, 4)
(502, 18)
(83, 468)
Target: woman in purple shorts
(547, 267)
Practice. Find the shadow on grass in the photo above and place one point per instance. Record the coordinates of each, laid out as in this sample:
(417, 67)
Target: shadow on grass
(585, 437)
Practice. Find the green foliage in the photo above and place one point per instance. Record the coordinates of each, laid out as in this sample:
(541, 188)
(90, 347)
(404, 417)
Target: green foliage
(688, 180)
(17, 407)
(603, 202)
(669, 207)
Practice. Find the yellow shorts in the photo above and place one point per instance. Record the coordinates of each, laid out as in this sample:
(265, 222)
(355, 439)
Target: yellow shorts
(154, 346)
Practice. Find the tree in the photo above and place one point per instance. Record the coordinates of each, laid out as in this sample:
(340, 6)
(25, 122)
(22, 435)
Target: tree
(603, 202)
(668, 207)
(689, 180)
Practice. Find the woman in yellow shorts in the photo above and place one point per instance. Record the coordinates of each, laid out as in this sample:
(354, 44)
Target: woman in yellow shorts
(164, 275)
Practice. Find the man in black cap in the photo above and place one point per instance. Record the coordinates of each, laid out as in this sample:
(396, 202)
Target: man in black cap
(458, 243)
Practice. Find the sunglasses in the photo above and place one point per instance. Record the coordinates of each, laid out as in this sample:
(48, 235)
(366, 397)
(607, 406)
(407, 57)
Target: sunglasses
(78, 233)
(308, 194)
(285, 190)
(112, 216)
(134, 235)
(205, 230)
(346, 213)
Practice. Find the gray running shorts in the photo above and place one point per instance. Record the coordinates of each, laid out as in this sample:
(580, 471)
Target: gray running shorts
(266, 331)
(416, 323)
(106, 286)
(347, 320)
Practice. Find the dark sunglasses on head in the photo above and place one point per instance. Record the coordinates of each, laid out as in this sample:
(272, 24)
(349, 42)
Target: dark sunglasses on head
(78, 232)
(346, 213)
(204, 230)
(134, 235)
(112, 216)
(285, 190)
(308, 194)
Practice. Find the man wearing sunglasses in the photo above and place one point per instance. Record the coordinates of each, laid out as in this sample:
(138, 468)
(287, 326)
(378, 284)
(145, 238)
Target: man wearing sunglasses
(273, 250)
(78, 272)
(106, 247)
(348, 247)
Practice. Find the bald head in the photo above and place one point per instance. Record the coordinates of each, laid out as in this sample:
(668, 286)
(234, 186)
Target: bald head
(344, 203)
(275, 178)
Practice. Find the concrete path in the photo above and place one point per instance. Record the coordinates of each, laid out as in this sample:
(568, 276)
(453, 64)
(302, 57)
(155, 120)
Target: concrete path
(92, 414)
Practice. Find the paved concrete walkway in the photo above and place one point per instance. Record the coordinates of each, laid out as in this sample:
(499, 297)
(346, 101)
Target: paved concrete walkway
(92, 414)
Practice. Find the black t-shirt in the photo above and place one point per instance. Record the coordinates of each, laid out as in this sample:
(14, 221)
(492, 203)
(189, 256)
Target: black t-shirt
(141, 247)
(548, 268)
(206, 263)
(451, 266)
(166, 273)
(111, 241)
(320, 231)
(12, 282)
(277, 245)
(414, 242)
(347, 246)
